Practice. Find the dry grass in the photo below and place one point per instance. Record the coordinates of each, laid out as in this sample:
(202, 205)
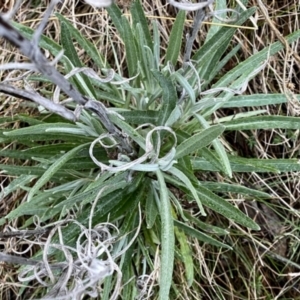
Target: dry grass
(259, 266)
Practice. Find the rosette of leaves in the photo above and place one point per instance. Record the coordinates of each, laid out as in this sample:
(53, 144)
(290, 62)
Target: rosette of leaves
(164, 111)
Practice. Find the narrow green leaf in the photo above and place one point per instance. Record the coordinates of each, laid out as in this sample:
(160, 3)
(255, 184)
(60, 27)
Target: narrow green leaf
(167, 240)
(257, 100)
(89, 194)
(72, 186)
(263, 122)
(199, 235)
(113, 198)
(38, 208)
(30, 120)
(186, 255)
(219, 148)
(51, 150)
(239, 164)
(44, 42)
(130, 48)
(211, 157)
(16, 154)
(32, 170)
(224, 208)
(136, 193)
(146, 60)
(116, 16)
(184, 165)
(169, 97)
(138, 17)
(211, 52)
(243, 115)
(186, 86)
(70, 52)
(107, 288)
(223, 62)
(219, 5)
(175, 200)
(272, 165)
(198, 140)
(174, 116)
(109, 203)
(128, 290)
(239, 76)
(151, 210)
(40, 129)
(108, 96)
(221, 37)
(90, 49)
(184, 179)
(139, 117)
(130, 131)
(205, 226)
(221, 187)
(68, 45)
(175, 40)
(123, 27)
(250, 64)
(52, 170)
(17, 184)
(156, 45)
(215, 203)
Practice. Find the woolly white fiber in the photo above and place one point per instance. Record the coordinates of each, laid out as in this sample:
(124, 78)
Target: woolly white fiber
(99, 3)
